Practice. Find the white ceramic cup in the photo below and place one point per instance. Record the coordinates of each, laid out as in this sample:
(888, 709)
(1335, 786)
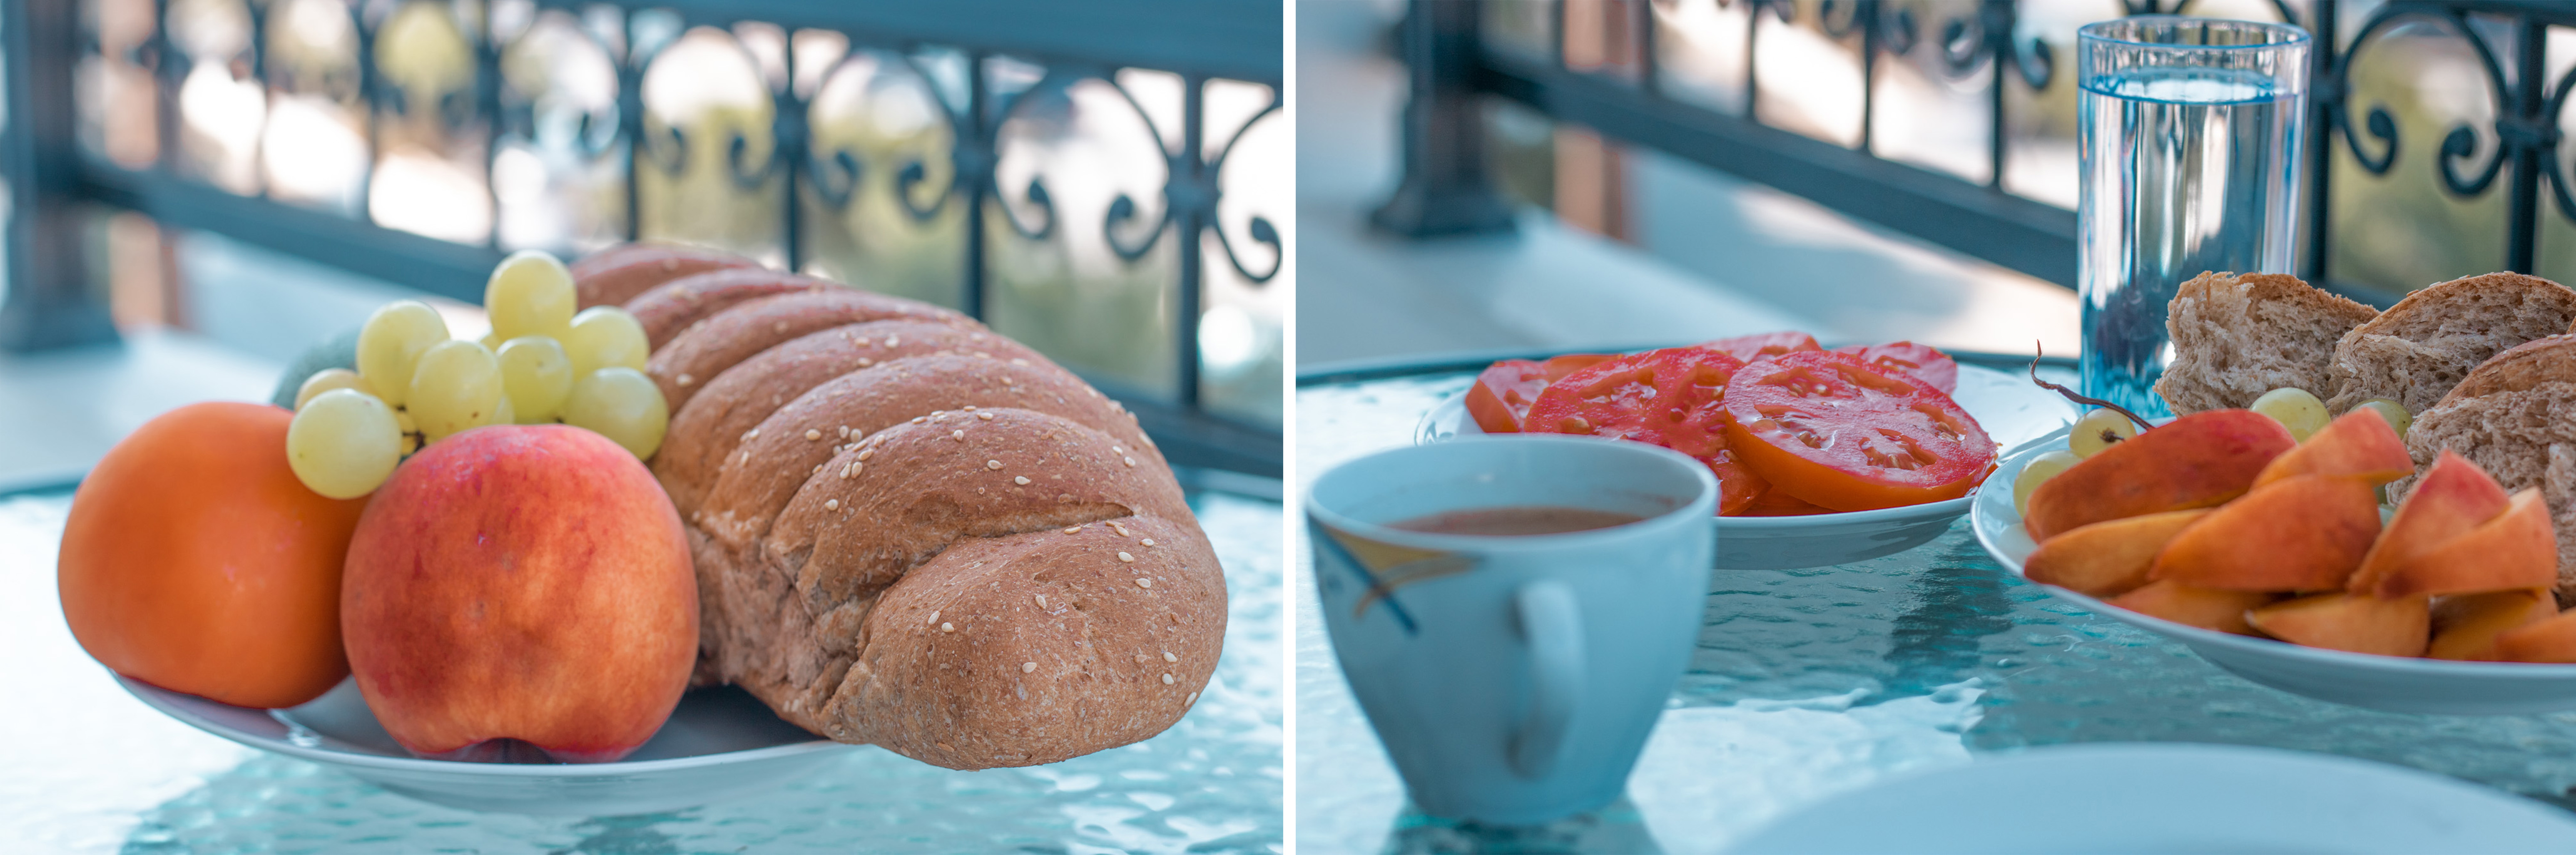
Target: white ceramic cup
(1513, 679)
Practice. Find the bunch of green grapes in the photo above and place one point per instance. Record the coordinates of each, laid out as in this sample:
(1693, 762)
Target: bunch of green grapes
(414, 385)
(2298, 410)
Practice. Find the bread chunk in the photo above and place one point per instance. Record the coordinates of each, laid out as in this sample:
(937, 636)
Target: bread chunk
(738, 400)
(614, 276)
(707, 348)
(2515, 417)
(676, 305)
(2236, 337)
(2420, 348)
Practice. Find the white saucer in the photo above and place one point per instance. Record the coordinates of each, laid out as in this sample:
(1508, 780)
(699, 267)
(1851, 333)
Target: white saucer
(2169, 798)
(720, 744)
(2393, 683)
(2010, 409)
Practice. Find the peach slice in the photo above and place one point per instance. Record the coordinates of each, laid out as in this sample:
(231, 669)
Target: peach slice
(2360, 445)
(2550, 640)
(2301, 533)
(2453, 497)
(2466, 626)
(2107, 558)
(2516, 549)
(2197, 461)
(2201, 607)
(2348, 621)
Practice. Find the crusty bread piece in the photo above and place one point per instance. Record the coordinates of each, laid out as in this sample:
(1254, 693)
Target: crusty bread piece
(2420, 348)
(673, 306)
(739, 399)
(2515, 417)
(707, 348)
(613, 276)
(2236, 337)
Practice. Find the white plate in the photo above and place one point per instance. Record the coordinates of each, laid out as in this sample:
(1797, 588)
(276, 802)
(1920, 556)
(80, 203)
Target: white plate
(2393, 683)
(720, 744)
(2010, 409)
(2169, 798)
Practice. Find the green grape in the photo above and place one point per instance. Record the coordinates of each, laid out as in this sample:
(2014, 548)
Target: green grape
(530, 294)
(457, 387)
(2394, 412)
(622, 404)
(2040, 469)
(2295, 409)
(410, 431)
(328, 379)
(390, 344)
(507, 413)
(537, 375)
(2097, 430)
(343, 443)
(605, 336)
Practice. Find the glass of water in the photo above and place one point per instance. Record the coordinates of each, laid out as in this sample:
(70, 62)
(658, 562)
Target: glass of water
(2191, 131)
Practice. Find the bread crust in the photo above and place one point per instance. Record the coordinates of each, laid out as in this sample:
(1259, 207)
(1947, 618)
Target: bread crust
(2238, 336)
(2415, 352)
(2522, 367)
(614, 276)
(673, 306)
(708, 347)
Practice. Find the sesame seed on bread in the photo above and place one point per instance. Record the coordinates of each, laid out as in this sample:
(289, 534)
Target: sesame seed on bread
(708, 347)
(673, 306)
(2420, 348)
(614, 276)
(2236, 337)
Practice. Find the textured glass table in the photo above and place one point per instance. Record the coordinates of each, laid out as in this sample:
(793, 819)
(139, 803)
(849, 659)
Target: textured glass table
(1813, 682)
(84, 767)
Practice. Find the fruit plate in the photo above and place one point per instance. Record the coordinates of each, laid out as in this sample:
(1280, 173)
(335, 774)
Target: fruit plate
(2392, 683)
(719, 744)
(2008, 406)
(2214, 798)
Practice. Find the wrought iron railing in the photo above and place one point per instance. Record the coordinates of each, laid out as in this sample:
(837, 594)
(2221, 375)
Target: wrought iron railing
(1974, 204)
(980, 66)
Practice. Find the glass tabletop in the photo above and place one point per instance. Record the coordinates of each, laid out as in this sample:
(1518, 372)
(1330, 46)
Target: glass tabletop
(1813, 682)
(85, 767)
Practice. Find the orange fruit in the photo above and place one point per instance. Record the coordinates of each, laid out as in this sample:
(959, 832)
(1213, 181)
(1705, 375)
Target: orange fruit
(193, 560)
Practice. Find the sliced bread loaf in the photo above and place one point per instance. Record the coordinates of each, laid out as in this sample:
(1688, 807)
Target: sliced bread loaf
(2515, 417)
(2420, 348)
(2236, 337)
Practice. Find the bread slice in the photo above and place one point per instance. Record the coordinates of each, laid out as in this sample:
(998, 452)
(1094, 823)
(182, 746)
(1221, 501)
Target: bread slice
(2512, 417)
(2420, 348)
(2236, 337)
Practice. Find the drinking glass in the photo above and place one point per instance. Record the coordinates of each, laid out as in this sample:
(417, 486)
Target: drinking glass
(2191, 131)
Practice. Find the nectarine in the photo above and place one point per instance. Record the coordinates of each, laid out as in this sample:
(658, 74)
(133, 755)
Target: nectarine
(2201, 607)
(2197, 461)
(2355, 622)
(2453, 496)
(2360, 444)
(2466, 626)
(2516, 549)
(2302, 533)
(2107, 558)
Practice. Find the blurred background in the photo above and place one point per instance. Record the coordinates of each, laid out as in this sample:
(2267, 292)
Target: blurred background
(200, 189)
(1626, 173)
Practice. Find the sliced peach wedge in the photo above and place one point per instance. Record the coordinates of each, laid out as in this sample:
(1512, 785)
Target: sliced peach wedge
(2300, 533)
(2465, 626)
(2201, 607)
(2197, 461)
(2551, 640)
(2355, 622)
(2453, 497)
(2359, 445)
(2108, 558)
(2516, 549)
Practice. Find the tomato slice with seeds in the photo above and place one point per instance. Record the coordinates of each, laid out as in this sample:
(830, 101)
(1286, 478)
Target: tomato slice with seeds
(1933, 367)
(1672, 397)
(1832, 430)
(1505, 390)
(1752, 347)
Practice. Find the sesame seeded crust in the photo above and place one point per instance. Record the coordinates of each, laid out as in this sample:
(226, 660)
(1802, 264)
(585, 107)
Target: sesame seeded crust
(754, 484)
(613, 276)
(725, 339)
(675, 305)
(703, 433)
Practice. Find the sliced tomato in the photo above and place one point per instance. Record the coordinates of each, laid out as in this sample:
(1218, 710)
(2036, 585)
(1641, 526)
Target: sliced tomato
(1777, 503)
(1671, 397)
(1835, 431)
(1503, 394)
(1752, 347)
(1930, 366)
(1564, 364)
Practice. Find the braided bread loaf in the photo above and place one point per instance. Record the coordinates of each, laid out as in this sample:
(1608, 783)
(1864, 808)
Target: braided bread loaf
(913, 532)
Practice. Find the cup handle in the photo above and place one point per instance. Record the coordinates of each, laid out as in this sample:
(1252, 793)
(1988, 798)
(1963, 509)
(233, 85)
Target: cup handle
(1553, 628)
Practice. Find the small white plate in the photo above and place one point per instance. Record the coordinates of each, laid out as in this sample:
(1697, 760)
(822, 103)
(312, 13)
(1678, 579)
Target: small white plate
(719, 744)
(2169, 798)
(2393, 683)
(2007, 406)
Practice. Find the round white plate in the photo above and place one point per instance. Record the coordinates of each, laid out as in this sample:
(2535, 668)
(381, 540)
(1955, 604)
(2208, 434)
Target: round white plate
(2169, 798)
(2393, 683)
(2008, 406)
(719, 744)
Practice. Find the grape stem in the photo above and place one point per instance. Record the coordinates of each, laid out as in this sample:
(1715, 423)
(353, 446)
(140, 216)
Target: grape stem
(2071, 394)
